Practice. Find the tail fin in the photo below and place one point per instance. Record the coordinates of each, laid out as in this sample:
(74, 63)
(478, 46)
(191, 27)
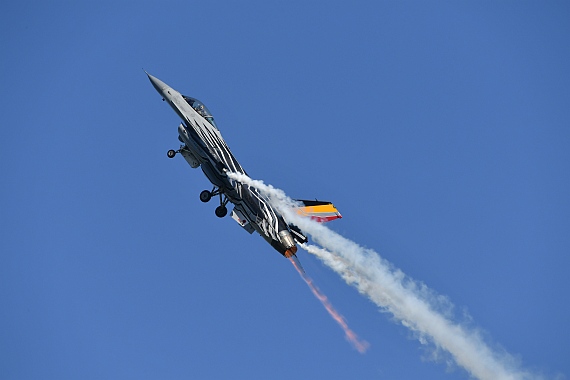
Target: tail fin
(321, 211)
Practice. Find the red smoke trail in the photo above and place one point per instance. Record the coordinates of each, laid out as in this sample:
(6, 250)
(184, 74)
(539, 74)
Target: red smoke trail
(361, 346)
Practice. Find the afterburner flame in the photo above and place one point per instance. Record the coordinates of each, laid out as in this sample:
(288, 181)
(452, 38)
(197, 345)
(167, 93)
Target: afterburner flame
(290, 252)
(350, 335)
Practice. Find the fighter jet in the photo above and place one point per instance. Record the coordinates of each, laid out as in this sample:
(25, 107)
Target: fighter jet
(203, 146)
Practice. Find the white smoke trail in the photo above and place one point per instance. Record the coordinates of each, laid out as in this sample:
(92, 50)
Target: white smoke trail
(411, 303)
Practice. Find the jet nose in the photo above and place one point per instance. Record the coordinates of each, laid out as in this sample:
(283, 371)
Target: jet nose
(159, 85)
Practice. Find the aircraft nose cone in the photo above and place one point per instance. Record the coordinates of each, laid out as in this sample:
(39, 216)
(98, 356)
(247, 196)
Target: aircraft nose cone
(159, 85)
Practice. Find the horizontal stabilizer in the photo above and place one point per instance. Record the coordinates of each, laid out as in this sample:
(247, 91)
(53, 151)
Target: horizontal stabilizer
(321, 211)
(297, 234)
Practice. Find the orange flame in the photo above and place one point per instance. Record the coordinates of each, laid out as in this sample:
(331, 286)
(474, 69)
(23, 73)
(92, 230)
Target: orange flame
(350, 335)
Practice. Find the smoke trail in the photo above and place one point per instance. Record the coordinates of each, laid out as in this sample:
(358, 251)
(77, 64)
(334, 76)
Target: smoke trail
(411, 303)
(361, 346)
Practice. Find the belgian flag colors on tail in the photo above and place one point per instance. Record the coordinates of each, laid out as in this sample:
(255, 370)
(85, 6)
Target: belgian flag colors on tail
(321, 211)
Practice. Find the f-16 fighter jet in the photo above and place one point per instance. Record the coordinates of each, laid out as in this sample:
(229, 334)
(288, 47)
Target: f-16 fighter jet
(203, 146)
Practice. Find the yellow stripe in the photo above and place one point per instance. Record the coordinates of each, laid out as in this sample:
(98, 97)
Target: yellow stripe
(313, 210)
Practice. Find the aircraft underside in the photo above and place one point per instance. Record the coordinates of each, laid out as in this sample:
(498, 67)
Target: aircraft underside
(204, 147)
(251, 211)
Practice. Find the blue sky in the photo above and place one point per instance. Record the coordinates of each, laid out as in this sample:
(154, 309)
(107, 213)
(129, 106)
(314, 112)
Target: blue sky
(440, 131)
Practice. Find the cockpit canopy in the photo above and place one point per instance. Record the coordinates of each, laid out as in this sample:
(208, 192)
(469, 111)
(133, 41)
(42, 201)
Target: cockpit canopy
(201, 109)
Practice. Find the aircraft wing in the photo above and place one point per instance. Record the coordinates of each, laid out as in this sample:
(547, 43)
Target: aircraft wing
(321, 211)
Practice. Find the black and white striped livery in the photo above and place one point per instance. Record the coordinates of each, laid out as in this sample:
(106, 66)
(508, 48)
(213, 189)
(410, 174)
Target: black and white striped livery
(204, 146)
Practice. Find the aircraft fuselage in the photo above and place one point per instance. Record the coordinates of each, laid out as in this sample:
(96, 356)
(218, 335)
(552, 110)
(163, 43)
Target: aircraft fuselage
(204, 146)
